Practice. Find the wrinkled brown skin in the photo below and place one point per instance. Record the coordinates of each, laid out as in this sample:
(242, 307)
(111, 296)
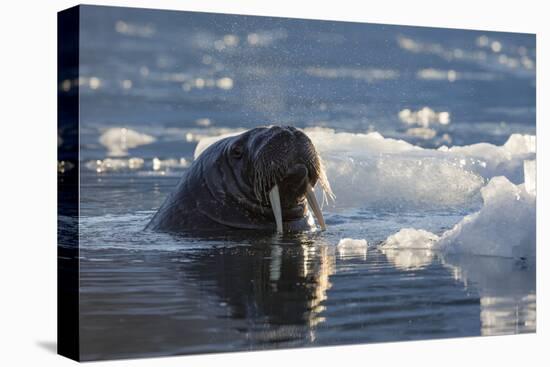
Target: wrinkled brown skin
(217, 191)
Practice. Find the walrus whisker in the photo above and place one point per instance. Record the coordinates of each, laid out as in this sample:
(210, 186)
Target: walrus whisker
(265, 178)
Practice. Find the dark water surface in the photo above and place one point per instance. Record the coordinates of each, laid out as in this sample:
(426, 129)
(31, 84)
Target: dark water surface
(175, 78)
(294, 292)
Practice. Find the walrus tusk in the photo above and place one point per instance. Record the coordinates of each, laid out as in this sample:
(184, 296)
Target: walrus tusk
(314, 205)
(275, 201)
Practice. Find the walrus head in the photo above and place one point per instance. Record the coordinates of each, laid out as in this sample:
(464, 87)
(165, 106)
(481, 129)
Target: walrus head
(271, 172)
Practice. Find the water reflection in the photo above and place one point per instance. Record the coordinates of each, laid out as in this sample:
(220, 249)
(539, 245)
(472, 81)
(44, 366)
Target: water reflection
(506, 286)
(405, 259)
(279, 288)
(507, 290)
(240, 293)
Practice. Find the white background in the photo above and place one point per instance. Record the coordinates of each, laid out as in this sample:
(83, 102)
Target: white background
(28, 142)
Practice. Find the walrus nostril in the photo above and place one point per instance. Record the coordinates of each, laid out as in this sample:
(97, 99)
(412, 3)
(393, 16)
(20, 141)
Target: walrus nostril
(295, 179)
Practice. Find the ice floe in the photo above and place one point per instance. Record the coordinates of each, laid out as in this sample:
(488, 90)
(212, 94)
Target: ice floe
(369, 170)
(411, 238)
(115, 164)
(504, 226)
(352, 248)
(118, 140)
(410, 249)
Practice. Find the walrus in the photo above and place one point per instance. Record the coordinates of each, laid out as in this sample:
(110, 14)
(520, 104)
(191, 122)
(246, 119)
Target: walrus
(258, 180)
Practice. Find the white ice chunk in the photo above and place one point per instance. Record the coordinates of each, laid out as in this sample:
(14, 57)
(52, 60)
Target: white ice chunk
(115, 164)
(329, 141)
(118, 140)
(505, 225)
(400, 181)
(162, 164)
(352, 243)
(410, 248)
(370, 170)
(506, 160)
(519, 144)
(352, 248)
(410, 238)
(530, 173)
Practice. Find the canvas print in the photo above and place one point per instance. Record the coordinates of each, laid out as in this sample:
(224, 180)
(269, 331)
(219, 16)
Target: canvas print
(241, 183)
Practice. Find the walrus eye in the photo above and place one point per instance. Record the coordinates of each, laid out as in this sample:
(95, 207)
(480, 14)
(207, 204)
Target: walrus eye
(236, 151)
